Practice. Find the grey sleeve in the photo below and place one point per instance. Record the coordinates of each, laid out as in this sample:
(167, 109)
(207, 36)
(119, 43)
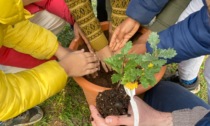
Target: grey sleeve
(188, 117)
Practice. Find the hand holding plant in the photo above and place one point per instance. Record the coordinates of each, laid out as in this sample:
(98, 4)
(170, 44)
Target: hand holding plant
(131, 70)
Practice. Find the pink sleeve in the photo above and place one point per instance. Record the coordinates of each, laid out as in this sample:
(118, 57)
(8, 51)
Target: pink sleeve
(57, 7)
(10, 57)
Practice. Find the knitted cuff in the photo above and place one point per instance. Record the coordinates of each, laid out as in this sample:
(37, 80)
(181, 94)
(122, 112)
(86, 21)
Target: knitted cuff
(118, 12)
(83, 14)
(188, 117)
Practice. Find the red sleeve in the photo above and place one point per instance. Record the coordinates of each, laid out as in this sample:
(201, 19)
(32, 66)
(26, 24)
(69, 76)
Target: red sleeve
(57, 7)
(11, 57)
(32, 8)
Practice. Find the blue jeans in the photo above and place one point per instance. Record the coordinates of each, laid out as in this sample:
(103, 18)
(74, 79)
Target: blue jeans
(167, 96)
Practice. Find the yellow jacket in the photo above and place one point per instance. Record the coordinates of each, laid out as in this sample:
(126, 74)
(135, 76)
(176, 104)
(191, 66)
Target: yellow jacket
(23, 90)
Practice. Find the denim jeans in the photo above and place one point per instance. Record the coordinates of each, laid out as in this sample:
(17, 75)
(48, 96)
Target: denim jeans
(167, 96)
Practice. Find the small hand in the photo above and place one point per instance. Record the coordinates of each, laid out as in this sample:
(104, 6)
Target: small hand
(139, 46)
(103, 54)
(79, 63)
(147, 117)
(123, 33)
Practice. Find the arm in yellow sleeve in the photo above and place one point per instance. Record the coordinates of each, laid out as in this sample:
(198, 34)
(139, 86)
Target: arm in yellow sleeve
(29, 38)
(24, 90)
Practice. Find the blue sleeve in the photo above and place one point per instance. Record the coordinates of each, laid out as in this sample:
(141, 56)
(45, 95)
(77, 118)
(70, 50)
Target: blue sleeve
(144, 11)
(190, 38)
(205, 121)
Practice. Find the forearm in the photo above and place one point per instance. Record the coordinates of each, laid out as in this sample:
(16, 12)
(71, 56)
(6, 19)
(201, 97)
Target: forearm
(144, 11)
(10, 57)
(190, 38)
(187, 117)
(184, 117)
(88, 23)
(26, 89)
(29, 38)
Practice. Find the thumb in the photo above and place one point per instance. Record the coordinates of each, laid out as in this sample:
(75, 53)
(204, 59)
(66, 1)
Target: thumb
(119, 120)
(79, 51)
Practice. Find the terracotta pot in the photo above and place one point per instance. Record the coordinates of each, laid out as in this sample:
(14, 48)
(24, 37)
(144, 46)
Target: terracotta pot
(90, 89)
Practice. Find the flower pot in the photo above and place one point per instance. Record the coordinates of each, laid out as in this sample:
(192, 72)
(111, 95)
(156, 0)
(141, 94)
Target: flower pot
(90, 89)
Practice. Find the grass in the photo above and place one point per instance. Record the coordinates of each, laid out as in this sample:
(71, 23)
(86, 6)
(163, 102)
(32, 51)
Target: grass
(69, 107)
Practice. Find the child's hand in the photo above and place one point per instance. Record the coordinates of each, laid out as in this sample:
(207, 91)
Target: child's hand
(79, 63)
(103, 54)
(123, 33)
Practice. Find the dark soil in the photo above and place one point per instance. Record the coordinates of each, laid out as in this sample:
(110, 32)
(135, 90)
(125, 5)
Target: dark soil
(103, 79)
(112, 102)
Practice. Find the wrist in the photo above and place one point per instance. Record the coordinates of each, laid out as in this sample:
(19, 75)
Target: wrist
(164, 119)
(61, 52)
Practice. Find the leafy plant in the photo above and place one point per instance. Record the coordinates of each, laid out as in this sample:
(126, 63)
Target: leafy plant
(132, 69)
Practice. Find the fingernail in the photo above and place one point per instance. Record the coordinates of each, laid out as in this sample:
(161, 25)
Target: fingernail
(108, 120)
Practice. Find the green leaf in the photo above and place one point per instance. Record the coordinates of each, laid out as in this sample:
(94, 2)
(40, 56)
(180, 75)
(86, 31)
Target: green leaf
(144, 82)
(126, 48)
(167, 53)
(129, 76)
(130, 64)
(148, 57)
(153, 40)
(159, 62)
(115, 62)
(116, 78)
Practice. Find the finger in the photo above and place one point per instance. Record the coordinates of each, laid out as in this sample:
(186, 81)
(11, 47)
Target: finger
(109, 68)
(120, 36)
(113, 40)
(94, 112)
(93, 59)
(94, 75)
(79, 51)
(124, 41)
(91, 71)
(76, 34)
(116, 47)
(104, 66)
(88, 54)
(113, 46)
(87, 43)
(119, 120)
(114, 37)
(92, 66)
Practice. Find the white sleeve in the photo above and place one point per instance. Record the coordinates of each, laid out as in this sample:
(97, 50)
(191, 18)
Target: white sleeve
(193, 6)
